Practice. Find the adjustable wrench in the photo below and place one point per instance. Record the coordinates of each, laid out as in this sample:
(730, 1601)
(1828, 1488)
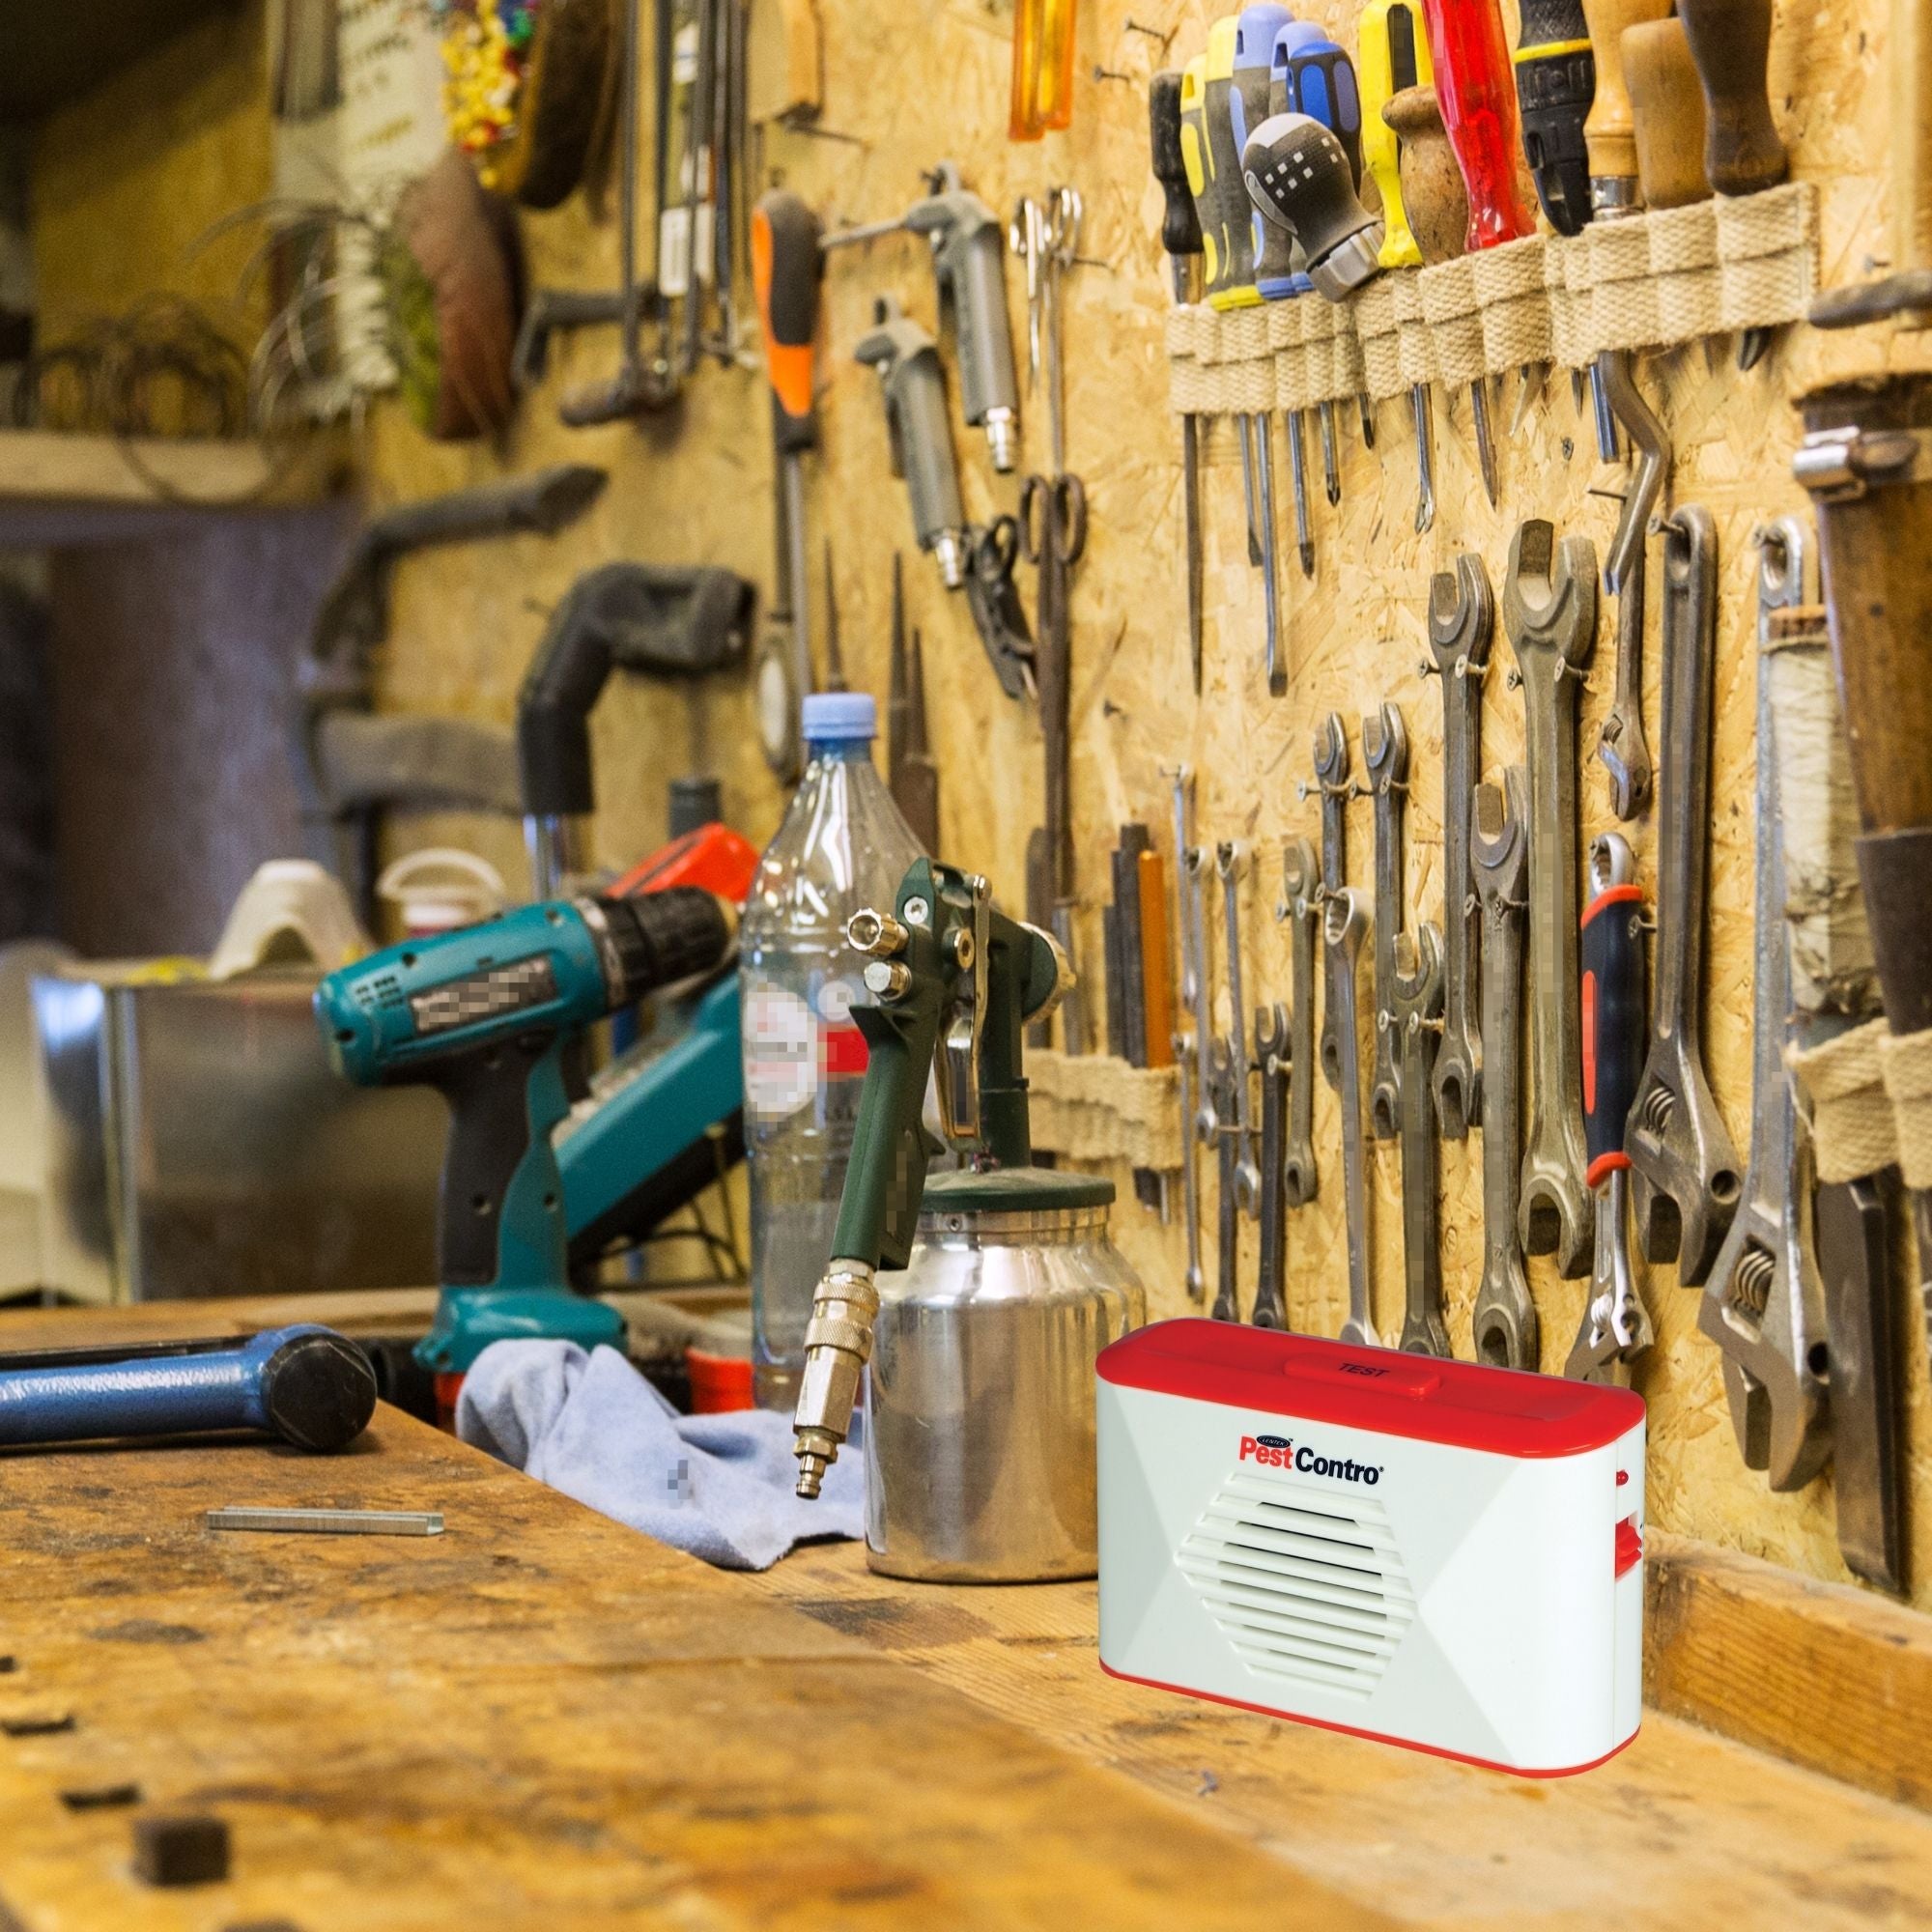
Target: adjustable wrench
(1506, 1333)
(1299, 891)
(1615, 1328)
(1231, 858)
(1684, 1175)
(1417, 1018)
(1227, 1306)
(1346, 921)
(1331, 781)
(1385, 755)
(1182, 777)
(1763, 1303)
(1549, 609)
(1833, 988)
(1621, 746)
(1461, 617)
(1271, 1050)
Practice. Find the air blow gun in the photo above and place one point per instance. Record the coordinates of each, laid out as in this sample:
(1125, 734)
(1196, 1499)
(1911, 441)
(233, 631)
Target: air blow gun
(487, 1014)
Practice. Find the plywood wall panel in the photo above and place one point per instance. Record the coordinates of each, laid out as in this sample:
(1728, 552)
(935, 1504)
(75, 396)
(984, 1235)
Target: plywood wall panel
(915, 82)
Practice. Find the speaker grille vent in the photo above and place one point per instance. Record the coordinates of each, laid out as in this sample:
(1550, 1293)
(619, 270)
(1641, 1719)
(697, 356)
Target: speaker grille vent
(1304, 1583)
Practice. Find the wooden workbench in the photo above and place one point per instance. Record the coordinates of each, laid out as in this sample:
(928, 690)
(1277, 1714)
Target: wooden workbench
(544, 1719)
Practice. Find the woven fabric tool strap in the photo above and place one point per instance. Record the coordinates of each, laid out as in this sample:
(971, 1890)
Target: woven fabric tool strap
(1853, 1131)
(1906, 1061)
(1093, 1106)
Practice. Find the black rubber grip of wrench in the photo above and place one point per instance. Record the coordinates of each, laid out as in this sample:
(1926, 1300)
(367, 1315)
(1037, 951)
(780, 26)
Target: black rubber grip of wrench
(1615, 1034)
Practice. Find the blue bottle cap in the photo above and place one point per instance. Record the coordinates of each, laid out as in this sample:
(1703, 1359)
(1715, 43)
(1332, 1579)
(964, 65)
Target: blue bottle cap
(840, 713)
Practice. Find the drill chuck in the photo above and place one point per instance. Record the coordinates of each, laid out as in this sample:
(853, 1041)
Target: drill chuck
(657, 938)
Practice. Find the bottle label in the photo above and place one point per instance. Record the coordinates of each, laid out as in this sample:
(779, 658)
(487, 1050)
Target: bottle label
(780, 1052)
(842, 1048)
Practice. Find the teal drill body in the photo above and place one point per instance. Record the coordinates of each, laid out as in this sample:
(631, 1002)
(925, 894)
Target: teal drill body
(487, 1015)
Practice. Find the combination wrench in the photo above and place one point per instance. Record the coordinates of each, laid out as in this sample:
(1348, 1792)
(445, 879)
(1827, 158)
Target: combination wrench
(1763, 1302)
(1549, 610)
(1386, 758)
(1616, 1327)
(1227, 1304)
(1684, 1174)
(1299, 906)
(1506, 1333)
(1461, 619)
(1206, 1106)
(1417, 1020)
(1271, 1050)
(1621, 746)
(1182, 777)
(1331, 781)
(1346, 922)
(1231, 858)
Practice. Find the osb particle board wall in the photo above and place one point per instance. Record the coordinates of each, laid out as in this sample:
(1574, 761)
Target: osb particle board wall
(910, 83)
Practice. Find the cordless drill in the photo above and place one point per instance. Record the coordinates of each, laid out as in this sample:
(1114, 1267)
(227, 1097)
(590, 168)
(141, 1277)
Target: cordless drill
(487, 1015)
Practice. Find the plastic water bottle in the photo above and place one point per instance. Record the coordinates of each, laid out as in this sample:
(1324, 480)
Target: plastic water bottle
(843, 845)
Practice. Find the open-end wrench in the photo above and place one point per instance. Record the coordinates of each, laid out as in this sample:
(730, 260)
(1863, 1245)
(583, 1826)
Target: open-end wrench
(1833, 988)
(1461, 617)
(1684, 1174)
(1207, 1113)
(1182, 778)
(1549, 610)
(1417, 1019)
(1331, 781)
(1299, 891)
(1227, 1304)
(1271, 1050)
(1763, 1302)
(1507, 1332)
(1345, 922)
(1231, 860)
(1621, 744)
(1385, 758)
(1616, 1327)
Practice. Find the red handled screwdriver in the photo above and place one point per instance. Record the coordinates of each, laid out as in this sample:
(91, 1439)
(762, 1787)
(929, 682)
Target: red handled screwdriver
(1477, 91)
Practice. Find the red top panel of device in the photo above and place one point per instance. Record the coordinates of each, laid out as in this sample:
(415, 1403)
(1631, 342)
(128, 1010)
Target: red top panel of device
(1505, 1411)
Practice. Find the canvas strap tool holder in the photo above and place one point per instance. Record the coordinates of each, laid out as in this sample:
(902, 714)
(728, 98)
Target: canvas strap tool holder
(1649, 282)
(1094, 1106)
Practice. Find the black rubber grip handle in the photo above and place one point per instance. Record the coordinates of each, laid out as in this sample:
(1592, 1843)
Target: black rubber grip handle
(1180, 223)
(1555, 87)
(1614, 1029)
(1550, 23)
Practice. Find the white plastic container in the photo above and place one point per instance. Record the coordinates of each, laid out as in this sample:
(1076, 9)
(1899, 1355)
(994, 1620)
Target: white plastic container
(1433, 1553)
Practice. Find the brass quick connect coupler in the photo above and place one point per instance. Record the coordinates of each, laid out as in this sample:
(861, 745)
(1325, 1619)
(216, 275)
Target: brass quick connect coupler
(838, 1344)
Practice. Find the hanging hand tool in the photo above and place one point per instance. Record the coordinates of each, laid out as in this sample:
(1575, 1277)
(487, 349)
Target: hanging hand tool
(907, 359)
(1864, 460)
(1667, 114)
(1346, 924)
(1298, 176)
(1503, 1322)
(787, 273)
(1044, 36)
(1228, 1079)
(1180, 243)
(1549, 610)
(1276, 277)
(1763, 1302)
(1730, 41)
(1385, 758)
(1231, 860)
(1332, 783)
(1834, 989)
(1622, 746)
(1416, 1012)
(1610, 137)
(1120, 924)
(1555, 83)
(1228, 225)
(1271, 1309)
(1462, 622)
(486, 1015)
(994, 600)
(1309, 73)
(306, 1386)
(969, 265)
(1186, 1037)
(1053, 534)
(1300, 907)
(1392, 55)
(1472, 82)
(638, 386)
(1616, 1326)
(911, 775)
(1684, 1181)
(835, 652)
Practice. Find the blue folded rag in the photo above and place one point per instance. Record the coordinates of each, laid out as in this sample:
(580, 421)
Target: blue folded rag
(719, 1486)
